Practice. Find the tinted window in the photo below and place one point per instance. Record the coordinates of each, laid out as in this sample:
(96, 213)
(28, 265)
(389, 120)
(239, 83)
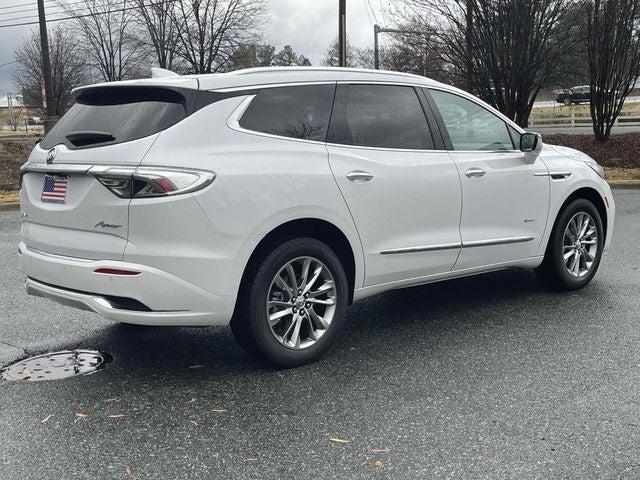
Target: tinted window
(385, 116)
(116, 114)
(296, 112)
(470, 126)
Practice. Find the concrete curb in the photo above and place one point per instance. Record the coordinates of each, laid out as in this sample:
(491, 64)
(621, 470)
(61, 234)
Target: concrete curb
(9, 206)
(625, 184)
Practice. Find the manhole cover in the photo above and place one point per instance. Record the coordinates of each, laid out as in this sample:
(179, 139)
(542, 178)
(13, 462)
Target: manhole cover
(56, 366)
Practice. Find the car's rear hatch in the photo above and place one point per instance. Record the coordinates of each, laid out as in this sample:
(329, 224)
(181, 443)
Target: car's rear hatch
(66, 209)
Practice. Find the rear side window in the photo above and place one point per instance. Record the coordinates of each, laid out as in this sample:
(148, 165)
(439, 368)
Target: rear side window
(470, 126)
(383, 116)
(116, 114)
(295, 112)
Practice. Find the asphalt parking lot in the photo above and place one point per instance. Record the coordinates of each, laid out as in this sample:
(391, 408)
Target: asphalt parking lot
(487, 377)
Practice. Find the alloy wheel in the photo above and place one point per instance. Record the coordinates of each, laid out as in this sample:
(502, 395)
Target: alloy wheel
(301, 302)
(580, 244)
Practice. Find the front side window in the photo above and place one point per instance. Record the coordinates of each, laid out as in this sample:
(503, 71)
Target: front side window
(384, 116)
(470, 126)
(296, 112)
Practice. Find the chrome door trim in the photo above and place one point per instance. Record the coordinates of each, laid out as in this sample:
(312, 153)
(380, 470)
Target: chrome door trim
(553, 175)
(496, 241)
(447, 246)
(425, 248)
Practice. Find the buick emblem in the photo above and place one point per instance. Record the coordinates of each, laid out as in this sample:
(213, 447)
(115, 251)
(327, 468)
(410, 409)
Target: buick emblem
(51, 155)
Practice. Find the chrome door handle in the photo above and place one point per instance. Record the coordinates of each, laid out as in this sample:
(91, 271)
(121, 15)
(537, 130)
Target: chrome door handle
(475, 173)
(358, 176)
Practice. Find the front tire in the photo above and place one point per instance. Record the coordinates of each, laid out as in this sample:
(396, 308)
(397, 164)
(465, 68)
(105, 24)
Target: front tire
(575, 247)
(293, 304)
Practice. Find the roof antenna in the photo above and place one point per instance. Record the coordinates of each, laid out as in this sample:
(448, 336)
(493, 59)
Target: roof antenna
(157, 72)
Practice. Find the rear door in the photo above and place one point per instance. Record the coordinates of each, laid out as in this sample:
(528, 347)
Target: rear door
(505, 199)
(66, 210)
(403, 192)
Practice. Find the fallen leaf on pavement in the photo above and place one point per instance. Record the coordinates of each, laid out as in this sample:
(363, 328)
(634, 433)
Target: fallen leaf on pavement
(380, 450)
(82, 415)
(338, 440)
(195, 423)
(116, 415)
(378, 464)
(45, 420)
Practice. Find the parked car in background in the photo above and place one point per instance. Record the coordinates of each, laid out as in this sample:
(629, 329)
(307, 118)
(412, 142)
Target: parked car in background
(574, 95)
(34, 121)
(271, 199)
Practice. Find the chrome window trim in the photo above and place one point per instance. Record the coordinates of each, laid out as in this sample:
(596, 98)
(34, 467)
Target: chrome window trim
(447, 246)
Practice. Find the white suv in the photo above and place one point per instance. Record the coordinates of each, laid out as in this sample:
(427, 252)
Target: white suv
(273, 198)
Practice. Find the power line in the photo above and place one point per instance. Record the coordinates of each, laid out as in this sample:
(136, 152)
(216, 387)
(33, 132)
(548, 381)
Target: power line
(73, 17)
(25, 4)
(35, 9)
(8, 63)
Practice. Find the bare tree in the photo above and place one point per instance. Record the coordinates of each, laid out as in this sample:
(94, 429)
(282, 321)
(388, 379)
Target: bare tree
(14, 115)
(614, 59)
(156, 19)
(104, 33)
(68, 66)
(513, 48)
(209, 31)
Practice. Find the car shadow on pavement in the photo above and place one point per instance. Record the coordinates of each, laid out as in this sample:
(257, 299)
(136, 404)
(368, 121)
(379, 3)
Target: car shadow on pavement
(386, 328)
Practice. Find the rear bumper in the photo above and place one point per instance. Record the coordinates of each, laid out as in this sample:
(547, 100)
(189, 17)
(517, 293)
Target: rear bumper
(159, 298)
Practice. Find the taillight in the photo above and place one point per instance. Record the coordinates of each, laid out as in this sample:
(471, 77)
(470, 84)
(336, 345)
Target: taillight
(148, 182)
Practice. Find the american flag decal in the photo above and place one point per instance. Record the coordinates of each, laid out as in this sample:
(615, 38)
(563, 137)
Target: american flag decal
(54, 188)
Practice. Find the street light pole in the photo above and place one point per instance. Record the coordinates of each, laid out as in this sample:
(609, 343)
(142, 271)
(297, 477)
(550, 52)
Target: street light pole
(342, 32)
(377, 29)
(46, 69)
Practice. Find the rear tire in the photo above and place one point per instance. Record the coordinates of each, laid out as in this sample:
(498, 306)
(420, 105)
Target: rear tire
(288, 327)
(575, 247)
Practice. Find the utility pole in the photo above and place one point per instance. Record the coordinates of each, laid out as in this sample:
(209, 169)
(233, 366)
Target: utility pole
(342, 32)
(50, 120)
(468, 34)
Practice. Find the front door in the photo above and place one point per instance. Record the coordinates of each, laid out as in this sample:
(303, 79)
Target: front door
(505, 199)
(403, 194)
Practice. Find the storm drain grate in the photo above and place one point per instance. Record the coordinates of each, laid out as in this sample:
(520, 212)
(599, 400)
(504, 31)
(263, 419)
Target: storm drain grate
(56, 366)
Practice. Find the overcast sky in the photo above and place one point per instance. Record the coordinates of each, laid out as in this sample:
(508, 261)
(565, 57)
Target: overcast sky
(309, 26)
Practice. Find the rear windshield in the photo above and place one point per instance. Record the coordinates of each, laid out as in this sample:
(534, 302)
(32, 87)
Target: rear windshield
(115, 115)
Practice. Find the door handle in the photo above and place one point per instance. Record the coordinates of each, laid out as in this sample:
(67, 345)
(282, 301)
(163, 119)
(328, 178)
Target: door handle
(475, 173)
(358, 176)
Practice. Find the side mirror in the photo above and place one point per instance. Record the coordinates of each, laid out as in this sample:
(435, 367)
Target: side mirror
(531, 145)
(529, 141)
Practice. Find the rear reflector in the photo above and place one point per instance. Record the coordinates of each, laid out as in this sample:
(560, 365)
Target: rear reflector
(116, 271)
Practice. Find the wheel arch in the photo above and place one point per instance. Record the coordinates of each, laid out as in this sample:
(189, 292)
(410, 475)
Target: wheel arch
(319, 229)
(591, 194)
